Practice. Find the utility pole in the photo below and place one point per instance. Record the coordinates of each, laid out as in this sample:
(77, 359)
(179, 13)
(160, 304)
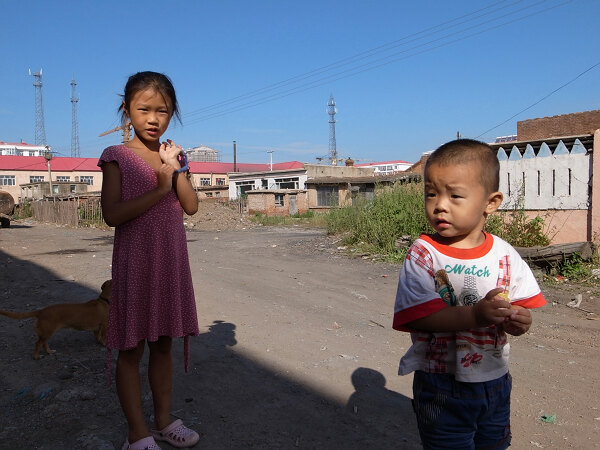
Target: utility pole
(234, 158)
(331, 110)
(48, 157)
(271, 159)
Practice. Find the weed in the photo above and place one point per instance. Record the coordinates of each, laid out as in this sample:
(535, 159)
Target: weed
(516, 228)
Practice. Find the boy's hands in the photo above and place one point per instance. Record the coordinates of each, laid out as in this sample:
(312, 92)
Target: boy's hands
(168, 152)
(492, 309)
(519, 321)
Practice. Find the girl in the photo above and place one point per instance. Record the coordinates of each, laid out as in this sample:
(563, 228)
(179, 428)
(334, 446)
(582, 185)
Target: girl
(144, 193)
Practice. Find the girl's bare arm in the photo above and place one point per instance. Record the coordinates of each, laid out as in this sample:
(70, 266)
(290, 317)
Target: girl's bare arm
(185, 193)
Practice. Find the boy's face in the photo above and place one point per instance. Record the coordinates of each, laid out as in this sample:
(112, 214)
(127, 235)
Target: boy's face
(457, 204)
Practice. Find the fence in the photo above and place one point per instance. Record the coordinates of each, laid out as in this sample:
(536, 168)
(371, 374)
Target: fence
(75, 212)
(547, 179)
(553, 178)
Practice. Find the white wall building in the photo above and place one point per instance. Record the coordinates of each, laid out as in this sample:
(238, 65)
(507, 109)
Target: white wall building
(22, 149)
(387, 167)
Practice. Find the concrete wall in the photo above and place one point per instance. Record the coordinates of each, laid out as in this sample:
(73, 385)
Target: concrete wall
(320, 171)
(564, 226)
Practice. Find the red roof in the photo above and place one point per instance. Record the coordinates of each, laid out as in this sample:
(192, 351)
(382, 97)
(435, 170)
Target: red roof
(65, 164)
(60, 164)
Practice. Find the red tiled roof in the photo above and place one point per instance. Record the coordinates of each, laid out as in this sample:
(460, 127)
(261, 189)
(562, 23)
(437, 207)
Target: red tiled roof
(66, 164)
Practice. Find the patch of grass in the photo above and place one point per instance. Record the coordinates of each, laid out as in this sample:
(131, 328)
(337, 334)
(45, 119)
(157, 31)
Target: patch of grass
(307, 219)
(576, 269)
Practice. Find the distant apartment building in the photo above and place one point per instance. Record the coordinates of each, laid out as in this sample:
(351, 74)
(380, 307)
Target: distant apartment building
(203, 153)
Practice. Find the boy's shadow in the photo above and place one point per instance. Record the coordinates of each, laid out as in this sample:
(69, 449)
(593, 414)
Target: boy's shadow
(372, 403)
(236, 401)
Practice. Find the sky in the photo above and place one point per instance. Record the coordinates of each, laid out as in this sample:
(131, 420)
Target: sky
(406, 76)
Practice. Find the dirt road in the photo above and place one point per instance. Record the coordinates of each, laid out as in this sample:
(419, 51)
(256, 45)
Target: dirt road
(296, 349)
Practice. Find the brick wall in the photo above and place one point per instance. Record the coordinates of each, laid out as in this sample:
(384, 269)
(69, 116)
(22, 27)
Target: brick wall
(564, 125)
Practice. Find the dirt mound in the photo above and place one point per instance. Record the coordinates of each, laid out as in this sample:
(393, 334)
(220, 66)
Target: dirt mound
(217, 216)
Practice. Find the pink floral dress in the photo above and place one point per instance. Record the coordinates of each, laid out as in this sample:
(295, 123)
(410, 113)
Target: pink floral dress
(152, 293)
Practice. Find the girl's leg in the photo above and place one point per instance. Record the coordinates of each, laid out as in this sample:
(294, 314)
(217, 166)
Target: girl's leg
(160, 375)
(129, 391)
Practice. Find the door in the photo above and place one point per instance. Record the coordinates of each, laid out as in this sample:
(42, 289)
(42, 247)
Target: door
(293, 204)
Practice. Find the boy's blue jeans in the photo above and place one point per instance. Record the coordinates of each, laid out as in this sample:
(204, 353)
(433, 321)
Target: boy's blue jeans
(456, 415)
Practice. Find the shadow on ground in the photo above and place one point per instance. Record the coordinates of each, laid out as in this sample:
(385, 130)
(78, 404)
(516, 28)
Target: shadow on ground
(63, 401)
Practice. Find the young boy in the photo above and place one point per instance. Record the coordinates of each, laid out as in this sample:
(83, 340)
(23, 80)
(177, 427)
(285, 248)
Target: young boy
(460, 290)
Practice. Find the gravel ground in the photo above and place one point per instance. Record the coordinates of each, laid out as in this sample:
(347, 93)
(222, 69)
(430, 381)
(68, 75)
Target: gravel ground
(296, 348)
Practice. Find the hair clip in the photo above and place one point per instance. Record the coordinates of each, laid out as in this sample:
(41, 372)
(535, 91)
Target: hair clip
(186, 164)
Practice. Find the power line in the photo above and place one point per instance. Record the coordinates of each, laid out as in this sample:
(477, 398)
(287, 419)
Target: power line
(372, 64)
(344, 61)
(541, 99)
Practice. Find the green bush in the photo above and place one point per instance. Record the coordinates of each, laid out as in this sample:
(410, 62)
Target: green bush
(400, 212)
(23, 211)
(516, 228)
(376, 225)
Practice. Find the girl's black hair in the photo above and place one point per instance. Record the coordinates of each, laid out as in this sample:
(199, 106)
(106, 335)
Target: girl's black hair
(149, 80)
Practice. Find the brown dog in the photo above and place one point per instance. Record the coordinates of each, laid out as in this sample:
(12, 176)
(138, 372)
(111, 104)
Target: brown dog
(88, 316)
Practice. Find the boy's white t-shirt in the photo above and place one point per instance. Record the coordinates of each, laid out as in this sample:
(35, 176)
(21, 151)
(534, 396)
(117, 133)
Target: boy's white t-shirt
(435, 276)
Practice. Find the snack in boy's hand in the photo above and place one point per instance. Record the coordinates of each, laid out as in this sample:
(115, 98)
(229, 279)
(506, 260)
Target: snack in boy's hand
(504, 296)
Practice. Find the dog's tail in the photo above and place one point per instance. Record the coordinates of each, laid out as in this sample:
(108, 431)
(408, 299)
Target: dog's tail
(19, 315)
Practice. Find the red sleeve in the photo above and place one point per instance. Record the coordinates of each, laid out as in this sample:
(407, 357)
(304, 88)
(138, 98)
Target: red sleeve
(532, 302)
(401, 318)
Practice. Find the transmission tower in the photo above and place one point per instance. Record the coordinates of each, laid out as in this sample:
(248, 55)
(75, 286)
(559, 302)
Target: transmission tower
(331, 110)
(74, 124)
(40, 131)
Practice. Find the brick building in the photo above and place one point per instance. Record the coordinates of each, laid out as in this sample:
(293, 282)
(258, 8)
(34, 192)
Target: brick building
(573, 124)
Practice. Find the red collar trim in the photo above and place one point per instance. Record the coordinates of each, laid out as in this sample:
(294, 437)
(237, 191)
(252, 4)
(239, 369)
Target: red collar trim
(462, 253)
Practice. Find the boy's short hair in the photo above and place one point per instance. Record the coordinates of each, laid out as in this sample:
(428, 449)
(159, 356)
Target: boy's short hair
(460, 151)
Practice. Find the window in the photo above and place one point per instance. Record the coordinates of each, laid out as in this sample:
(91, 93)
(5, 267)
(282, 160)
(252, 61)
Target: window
(279, 199)
(36, 178)
(87, 179)
(287, 183)
(244, 186)
(209, 194)
(217, 194)
(7, 180)
(265, 183)
(63, 178)
(72, 188)
(327, 196)
(220, 181)
(204, 181)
